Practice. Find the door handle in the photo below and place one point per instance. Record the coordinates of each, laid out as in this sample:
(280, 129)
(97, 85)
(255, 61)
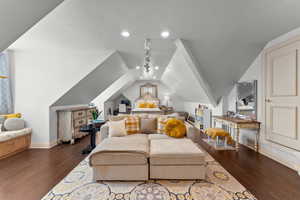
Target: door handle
(268, 100)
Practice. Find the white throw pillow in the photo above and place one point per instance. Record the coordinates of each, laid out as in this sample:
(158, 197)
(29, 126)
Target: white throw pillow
(14, 124)
(117, 128)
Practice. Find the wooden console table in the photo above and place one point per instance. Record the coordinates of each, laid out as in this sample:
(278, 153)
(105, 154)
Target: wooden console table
(237, 124)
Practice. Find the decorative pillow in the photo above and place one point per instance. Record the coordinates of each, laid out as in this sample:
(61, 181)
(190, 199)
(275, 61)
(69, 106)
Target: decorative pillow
(143, 105)
(175, 128)
(116, 128)
(15, 115)
(161, 122)
(14, 124)
(117, 118)
(151, 105)
(132, 124)
(148, 125)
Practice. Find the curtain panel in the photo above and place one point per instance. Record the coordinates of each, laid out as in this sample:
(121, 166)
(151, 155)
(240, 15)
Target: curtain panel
(6, 102)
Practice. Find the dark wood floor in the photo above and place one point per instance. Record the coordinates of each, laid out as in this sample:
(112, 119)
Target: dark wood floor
(31, 174)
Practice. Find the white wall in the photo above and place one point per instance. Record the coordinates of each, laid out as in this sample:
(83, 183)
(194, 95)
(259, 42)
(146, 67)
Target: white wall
(133, 92)
(280, 153)
(220, 109)
(113, 90)
(42, 77)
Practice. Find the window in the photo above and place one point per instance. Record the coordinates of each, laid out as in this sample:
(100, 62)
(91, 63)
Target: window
(6, 103)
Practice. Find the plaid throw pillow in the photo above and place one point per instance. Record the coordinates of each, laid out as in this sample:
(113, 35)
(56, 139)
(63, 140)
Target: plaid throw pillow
(161, 122)
(132, 125)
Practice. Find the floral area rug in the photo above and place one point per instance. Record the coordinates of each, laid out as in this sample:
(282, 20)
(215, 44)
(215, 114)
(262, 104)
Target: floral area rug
(218, 185)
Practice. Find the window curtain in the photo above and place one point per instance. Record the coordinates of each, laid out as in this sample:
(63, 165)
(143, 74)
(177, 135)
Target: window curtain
(6, 103)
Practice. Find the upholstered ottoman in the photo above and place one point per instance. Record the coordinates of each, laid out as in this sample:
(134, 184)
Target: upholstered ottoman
(121, 158)
(176, 159)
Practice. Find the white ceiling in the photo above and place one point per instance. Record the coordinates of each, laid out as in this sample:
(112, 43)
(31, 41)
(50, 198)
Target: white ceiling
(17, 16)
(224, 36)
(183, 81)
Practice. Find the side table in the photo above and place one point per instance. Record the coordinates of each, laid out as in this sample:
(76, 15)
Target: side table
(91, 129)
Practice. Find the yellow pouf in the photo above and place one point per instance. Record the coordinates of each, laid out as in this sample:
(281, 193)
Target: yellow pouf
(215, 132)
(175, 128)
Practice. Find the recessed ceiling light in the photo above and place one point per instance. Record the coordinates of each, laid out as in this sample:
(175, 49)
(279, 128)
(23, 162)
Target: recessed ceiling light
(156, 67)
(125, 33)
(137, 67)
(165, 34)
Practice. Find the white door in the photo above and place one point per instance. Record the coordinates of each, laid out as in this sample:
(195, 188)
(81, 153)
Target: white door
(283, 95)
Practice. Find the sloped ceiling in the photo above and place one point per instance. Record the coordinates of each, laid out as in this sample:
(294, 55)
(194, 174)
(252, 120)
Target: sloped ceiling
(16, 17)
(184, 78)
(223, 36)
(115, 89)
(95, 82)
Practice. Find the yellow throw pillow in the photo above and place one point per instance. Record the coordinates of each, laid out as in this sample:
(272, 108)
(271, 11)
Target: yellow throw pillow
(161, 123)
(151, 105)
(14, 115)
(175, 128)
(143, 105)
(132, 124)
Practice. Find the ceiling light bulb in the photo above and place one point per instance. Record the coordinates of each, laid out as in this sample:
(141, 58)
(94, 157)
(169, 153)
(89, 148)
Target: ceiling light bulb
(125, 33)
(156, 67)
(137, 67)
(165, 34)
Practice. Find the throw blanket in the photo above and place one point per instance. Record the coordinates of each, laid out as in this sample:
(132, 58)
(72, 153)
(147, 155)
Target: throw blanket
(125, 144)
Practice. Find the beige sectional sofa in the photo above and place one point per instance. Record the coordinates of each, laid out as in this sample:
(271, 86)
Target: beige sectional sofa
(147, 156)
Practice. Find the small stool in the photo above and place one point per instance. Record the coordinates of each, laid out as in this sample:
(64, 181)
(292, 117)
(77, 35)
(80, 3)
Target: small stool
(216, 134)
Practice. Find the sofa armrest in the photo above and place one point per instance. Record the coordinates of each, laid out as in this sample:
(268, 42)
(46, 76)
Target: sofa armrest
(102, 134)
(192, 132)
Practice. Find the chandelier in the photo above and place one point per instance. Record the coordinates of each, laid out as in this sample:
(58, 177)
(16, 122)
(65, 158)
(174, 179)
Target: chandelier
(147, 69)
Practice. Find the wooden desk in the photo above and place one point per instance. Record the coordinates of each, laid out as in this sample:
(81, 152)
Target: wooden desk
(237, 124)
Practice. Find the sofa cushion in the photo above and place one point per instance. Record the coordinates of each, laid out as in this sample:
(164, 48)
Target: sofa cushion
(7, 135)
(117, 118)
(158, 136)
(129, 150)
(175, 152)
(14, 124)
(116, 128)
(148, 125)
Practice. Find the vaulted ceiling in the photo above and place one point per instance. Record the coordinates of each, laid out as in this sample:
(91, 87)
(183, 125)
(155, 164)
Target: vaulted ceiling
(16, 17)
(223, 36)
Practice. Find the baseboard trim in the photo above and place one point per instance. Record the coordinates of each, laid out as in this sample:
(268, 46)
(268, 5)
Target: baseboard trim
(287, 164)
(43, 145)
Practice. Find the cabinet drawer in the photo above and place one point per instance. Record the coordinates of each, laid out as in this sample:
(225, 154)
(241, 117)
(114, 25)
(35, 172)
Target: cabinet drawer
(89, 119)
(79, 114)
(79, 122)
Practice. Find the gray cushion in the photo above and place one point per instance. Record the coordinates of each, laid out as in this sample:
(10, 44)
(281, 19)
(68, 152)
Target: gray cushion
(2, 119)
(14, 124)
